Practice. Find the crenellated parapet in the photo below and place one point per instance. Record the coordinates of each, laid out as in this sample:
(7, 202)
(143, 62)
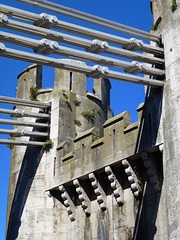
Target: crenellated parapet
(96, 170)
(111, 163)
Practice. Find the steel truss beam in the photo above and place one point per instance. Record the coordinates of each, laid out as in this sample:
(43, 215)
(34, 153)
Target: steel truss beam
(95, 71)
(22, 102)
(126, 43)
(50, 6)
(46, 47)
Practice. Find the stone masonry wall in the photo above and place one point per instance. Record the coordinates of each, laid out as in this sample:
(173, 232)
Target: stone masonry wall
(102, 179)
(169, 28)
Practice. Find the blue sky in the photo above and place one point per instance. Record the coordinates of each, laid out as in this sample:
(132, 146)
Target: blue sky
(124, 96)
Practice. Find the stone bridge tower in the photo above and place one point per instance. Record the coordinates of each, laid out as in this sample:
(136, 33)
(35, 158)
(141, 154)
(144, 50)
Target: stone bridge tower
(105, 177)
(167, 14)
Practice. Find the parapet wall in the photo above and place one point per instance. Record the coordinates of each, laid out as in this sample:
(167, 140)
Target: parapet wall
(96, 171)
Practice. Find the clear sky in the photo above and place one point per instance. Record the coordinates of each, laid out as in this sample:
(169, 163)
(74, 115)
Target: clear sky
(124, 96)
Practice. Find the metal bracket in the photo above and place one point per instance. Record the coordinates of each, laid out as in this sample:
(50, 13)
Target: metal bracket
(134, 44)
(3, 18)
(97, 46)
(20, 132)
(135, 68)
(19, 113)
(46, 21)
(2, 47)
(98, 71)
(46, 47)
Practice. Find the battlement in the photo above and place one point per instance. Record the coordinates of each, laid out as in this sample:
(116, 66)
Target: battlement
(102, 176)
(96, 157)
(91, 153)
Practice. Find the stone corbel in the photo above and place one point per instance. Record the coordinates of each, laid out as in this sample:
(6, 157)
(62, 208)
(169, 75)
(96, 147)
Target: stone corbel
(82, 197)
(49, 194)
(98, 191)
(161, 148)
(67, 202)
(132, 178)
(115, 185)
(151, 171)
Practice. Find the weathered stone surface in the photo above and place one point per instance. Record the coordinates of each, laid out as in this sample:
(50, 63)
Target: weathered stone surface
(170, 31)
(84, 170)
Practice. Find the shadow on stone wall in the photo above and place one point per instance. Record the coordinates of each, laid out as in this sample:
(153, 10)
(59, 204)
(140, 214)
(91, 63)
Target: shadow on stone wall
(146, 221)
(147, 225)
(26, 176)
(150, 120)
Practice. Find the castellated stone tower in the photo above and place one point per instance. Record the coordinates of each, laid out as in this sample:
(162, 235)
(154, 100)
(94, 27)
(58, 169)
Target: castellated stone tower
(102, 179)
(167, 13)
(105, 177)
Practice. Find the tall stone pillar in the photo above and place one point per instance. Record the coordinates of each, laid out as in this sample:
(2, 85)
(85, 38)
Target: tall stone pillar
(169, 28)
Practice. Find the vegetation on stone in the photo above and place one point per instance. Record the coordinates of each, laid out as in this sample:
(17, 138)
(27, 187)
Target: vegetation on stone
(77, 122)
(76, 102)
(98, 112)
(33, 93)
(140, 181)
(65, 96)
(48, 145)
(156, 24)
(88, 115)
(174, 6)
(154, 27)
(94, 138)
(11, 146)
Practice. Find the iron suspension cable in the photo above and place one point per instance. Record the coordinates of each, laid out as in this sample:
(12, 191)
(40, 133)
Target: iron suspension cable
(91, 19)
